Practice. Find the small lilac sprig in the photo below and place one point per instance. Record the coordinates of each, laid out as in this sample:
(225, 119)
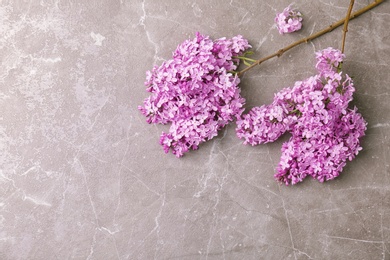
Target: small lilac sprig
(288, 21)
(325, 132)
(195, 91)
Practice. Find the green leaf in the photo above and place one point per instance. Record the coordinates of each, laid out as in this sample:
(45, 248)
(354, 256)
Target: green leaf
(248, 53)
(246, 63)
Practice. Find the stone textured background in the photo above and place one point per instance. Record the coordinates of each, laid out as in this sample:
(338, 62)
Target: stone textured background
(82, 175)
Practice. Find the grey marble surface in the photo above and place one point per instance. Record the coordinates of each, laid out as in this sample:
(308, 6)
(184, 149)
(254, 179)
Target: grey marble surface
(82, 175)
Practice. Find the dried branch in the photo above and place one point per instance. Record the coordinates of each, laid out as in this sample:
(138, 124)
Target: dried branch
(313, 36)
(345, 29)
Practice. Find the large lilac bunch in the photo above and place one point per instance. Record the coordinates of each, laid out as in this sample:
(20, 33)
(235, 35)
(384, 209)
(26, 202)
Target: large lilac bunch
(195, 91)
(325, 132)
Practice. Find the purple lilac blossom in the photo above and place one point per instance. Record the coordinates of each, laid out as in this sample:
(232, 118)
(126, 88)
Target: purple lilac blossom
(325, 132)
(195, 91)
(288, 21)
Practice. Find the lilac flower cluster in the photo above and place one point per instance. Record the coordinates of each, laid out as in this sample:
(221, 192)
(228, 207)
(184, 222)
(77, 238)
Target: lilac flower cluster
(290, 20)
(325, 132)
(195, 91)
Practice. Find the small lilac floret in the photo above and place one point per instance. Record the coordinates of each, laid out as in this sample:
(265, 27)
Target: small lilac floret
(288, 21)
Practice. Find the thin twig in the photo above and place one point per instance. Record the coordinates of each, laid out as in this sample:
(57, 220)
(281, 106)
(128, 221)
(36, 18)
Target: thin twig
(312, 36)
(345, 29)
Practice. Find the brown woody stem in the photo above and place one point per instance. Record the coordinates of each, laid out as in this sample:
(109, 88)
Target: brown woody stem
(345, 28)
(312, 36)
